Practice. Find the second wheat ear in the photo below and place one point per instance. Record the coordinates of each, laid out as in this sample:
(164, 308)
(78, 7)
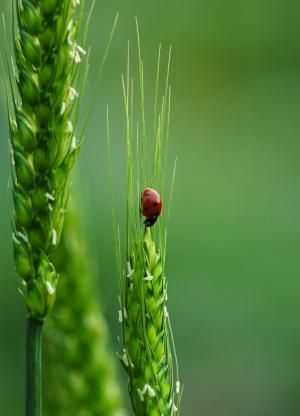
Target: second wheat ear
(79, 365)
(148, 352)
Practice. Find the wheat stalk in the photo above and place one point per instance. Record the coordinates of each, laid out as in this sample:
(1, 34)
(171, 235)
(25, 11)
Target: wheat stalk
(42, 117)
(80, 369)
(148, 353)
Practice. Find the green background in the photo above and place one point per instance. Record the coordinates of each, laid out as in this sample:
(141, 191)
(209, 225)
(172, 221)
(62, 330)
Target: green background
(233, 252)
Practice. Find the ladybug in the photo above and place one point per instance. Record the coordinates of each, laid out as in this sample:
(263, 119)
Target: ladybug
(151, 206)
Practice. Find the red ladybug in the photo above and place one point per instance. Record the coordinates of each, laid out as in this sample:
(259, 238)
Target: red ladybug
(151, 206)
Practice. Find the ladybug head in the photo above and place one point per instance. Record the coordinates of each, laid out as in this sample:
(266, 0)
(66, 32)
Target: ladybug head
(149, 221)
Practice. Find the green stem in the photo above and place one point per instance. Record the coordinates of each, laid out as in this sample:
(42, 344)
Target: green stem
(33, 368)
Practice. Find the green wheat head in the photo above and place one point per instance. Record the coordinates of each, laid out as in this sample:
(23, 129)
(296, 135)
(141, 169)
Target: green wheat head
(80, 374)
(148, 353)
(43, 112)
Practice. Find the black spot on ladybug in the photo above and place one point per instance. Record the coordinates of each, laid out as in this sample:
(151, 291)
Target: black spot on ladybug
(155, 204)
(146, 209)
(146, 194)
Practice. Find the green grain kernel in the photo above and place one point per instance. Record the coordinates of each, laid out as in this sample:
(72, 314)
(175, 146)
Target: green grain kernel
(31, 48)
(23, 259)
(29, 88)
(43, 112)
(151, 333)
(24, 171)
(41, 158)
(39, 199)
(23, 209)
(26, 131)
(37, 237)
(31, 17)
(49, 7)
(48, 37)
(46, 75)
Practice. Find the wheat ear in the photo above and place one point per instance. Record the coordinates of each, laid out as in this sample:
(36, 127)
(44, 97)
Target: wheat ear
(43, 151)
(42, 141)
(148, 353)
(80, 370)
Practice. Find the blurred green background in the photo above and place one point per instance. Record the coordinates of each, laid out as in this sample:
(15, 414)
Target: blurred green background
(233, 253)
